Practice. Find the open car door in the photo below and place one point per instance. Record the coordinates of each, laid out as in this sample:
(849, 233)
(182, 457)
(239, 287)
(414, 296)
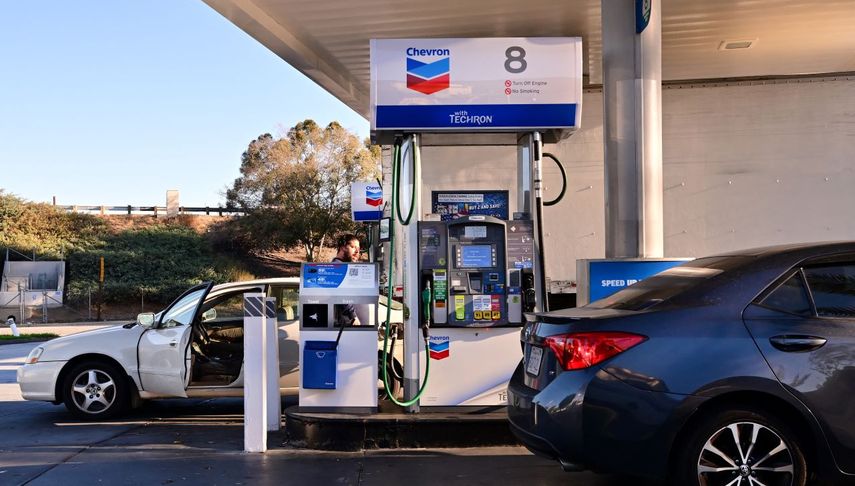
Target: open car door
(164, 349)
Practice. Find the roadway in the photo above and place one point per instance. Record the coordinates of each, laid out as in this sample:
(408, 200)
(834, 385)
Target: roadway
(201, 442)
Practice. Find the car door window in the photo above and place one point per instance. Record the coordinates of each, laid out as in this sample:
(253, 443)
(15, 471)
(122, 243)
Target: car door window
(183, 311)
(287, 303)
(227, 306)
(833, 289)
(791, 296)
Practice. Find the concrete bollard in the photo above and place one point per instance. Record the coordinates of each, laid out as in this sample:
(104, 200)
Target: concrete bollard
(255, 374)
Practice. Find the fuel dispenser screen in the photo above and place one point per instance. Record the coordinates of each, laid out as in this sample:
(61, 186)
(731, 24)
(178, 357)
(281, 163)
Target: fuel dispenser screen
(465, 262)
(476, 256)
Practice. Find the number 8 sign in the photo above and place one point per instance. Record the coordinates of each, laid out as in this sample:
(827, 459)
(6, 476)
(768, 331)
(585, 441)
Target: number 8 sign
(492, 84)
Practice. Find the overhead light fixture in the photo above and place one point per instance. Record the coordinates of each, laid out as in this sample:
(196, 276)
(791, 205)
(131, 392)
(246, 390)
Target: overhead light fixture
(732, 45)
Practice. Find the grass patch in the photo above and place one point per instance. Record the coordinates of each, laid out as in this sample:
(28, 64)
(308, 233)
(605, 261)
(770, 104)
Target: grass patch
(24, 337)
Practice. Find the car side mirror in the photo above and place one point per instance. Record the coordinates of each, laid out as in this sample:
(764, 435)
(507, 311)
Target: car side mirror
(209, 315)
(146, 319)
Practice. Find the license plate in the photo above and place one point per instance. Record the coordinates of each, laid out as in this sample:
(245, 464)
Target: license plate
(534, 359)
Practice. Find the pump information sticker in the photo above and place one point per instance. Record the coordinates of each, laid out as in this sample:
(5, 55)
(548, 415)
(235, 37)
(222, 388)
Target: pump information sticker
(486, 84)
(459, 307)
(481, 303)
(440, 290)
(338, 276)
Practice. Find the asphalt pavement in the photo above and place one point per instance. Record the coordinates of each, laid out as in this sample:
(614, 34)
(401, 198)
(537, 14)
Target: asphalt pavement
(200, 441)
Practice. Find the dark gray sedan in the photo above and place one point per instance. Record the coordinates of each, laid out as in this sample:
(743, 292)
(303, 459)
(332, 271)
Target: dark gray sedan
(736, 369)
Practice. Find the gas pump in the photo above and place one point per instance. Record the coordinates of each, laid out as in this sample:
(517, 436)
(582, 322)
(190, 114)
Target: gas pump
(338, 336)
(477, 306)
(470, 280)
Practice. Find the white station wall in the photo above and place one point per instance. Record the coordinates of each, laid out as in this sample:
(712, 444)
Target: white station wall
(745, 165)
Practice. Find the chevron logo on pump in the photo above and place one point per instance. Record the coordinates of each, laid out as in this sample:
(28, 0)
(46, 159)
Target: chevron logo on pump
(374, 196)
(439, 347)
(428, 77)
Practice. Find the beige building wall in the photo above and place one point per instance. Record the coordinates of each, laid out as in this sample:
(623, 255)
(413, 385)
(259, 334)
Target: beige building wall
(745, 164)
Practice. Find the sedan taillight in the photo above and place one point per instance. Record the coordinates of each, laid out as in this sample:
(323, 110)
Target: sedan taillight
(579, 350)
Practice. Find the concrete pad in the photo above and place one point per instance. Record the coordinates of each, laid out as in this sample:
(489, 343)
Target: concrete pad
(200, 441)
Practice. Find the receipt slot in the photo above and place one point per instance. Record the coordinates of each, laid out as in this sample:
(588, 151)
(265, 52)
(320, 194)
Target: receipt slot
(338, 336)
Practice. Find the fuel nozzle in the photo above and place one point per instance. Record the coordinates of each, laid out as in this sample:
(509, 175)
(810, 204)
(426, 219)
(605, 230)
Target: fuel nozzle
(427, 296)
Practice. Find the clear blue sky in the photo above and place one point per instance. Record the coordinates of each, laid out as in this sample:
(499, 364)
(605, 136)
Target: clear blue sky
(114, 102)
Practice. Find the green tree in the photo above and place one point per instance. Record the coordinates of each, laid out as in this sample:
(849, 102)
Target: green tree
(296, 189)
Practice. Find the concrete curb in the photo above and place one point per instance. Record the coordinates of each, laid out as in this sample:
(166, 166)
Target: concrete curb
(359, 432)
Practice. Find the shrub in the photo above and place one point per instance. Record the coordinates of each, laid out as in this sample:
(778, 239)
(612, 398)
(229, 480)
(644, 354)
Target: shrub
(141, 254)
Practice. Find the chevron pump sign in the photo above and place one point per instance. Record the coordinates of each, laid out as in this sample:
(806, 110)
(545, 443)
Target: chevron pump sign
(366, 201)
(439, 347)
(428, 77)
(373, 196)
(509, 84)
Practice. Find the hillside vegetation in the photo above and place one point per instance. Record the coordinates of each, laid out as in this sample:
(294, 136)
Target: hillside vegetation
(142, 254)
(294, 191)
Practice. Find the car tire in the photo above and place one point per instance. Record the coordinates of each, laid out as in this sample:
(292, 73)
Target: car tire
(710, 455)
(95, 390)
(393, 369)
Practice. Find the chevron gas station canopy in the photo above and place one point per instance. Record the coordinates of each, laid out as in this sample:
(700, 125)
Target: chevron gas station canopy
(328, 41)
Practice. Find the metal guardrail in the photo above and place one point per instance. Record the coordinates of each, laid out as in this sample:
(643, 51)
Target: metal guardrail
(156, 210)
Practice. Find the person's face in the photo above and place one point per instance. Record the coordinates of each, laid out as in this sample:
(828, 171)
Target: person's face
(350, 251)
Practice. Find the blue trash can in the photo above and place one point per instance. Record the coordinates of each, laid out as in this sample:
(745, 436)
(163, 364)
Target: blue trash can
(319, 365)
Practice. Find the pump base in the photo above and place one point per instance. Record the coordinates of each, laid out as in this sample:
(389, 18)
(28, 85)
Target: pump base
(462, 427)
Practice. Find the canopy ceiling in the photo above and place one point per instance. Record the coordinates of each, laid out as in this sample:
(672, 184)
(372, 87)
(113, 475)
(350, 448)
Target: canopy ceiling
(327, 40)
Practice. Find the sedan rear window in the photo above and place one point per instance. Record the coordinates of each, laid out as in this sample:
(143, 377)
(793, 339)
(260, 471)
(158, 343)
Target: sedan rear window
(791, 296)
(668, 284)
(833, 289)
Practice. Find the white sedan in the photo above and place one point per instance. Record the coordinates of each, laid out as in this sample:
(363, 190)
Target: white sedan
(193, 348)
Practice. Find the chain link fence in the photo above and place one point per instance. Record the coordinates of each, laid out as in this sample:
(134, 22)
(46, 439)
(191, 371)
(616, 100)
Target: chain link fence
(49, 309)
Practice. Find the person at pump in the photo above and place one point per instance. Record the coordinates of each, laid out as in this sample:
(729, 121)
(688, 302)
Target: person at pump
(348, 251)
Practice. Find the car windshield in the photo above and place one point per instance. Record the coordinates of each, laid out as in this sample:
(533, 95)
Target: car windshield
(183, 311)
(665, 285)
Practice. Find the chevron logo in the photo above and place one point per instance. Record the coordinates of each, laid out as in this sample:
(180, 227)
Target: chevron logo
(428, 77)
(373, 197)
(439, 349)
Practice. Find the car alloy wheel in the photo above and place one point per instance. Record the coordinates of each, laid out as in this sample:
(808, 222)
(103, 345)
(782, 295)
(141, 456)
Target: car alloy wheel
(739, 445)
(745, 454)
(95, 390)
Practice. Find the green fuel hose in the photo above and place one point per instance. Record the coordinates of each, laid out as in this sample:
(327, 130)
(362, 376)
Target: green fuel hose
(396, 169)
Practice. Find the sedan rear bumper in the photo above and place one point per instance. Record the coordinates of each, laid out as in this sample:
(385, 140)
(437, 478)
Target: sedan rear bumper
(590, 419)
(38, 381)
(549, 424)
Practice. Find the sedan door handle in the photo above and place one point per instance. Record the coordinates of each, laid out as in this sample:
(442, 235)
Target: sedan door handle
(173, 343)
(796, 344)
